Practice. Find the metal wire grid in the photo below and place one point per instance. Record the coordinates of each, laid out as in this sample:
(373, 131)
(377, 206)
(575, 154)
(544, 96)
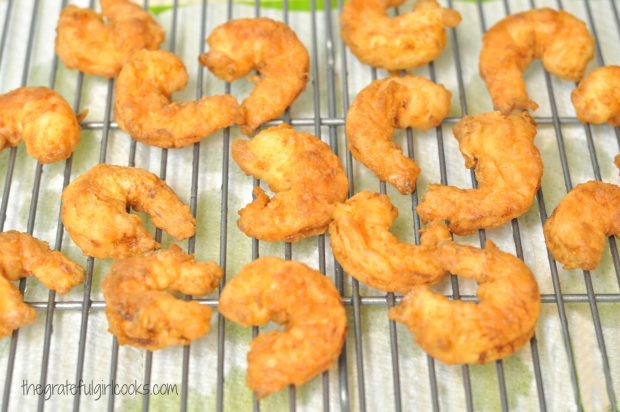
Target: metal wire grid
(332, 122)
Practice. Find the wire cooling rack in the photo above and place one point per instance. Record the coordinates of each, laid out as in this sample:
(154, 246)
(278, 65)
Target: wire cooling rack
(562, 375)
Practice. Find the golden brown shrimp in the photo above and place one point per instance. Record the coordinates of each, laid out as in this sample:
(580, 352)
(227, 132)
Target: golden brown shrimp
(380, 107)
(300, 299)
(86, 42)
(508, 168)
(457, 332)
(410, 40)
(577, 229)
(21, 255)
(274, 51)
(143, 108)
(140, 306)
(306, 175)
(363, 245)
(617, 161)
(559, 39)
(597, 98)
(43, 119)
(94, 211)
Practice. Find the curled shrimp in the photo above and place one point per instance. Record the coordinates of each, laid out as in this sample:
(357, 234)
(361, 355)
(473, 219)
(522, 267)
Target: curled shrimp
(42, 119)
(140, 307)
(21, 255)
(380, 107)
(94, 211)
(457, 332)
(84, 41)
(410, 40)
(143, 108)
(559, 39)
(597, 99)
(274, 51)
(363, 245)
(508, 169)
(300, 299)
(577, 229)
(306, 176)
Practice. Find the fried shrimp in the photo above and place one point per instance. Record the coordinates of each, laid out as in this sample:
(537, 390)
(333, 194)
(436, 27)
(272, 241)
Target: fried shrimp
(140, 306)
(410, 40)
(43, 119)
(22, 255)
(143, 108)
(597, 98)
(94, 211)
(508, 168)
(301, 300)
(274, 51)
(457, 332)
(86, 42)
(578, 227)
(365, 248)
(559, 39)
(384, 105)
(306, 176)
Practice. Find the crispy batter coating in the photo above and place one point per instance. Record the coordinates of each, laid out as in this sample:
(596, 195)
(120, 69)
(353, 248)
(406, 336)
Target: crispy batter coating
(306, 176)
(508, 168)
(86, 42)
(410, 40)
(274, 51)
(380, 107)
(43, 119)
(143, 107)
(559, 39)
(597, 98)
(457, 332)
(299, 299)
(617, 161)
(577, 229)
(141, 308)
(363, 245)
(22, 255)
(94, 211)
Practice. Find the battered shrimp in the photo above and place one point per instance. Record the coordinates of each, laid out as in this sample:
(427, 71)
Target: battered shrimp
(410, 40)
(597, 99)
(380, 107)
(143, 108)
(457, 332)
(508, 168)
(86, 42)
(43, 119)
(363, 245)
(22, 255)
(301, 300)
(578, 227)
(306, 176)
(562, 41)
(140, 306)
(274, 51)
(94, 211)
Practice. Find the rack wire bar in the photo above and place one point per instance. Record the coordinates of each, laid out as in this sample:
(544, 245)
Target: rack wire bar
(348, 375)
(333, 142)
(7, 188)
(339, 121)
(546, 298)
(356, 300)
